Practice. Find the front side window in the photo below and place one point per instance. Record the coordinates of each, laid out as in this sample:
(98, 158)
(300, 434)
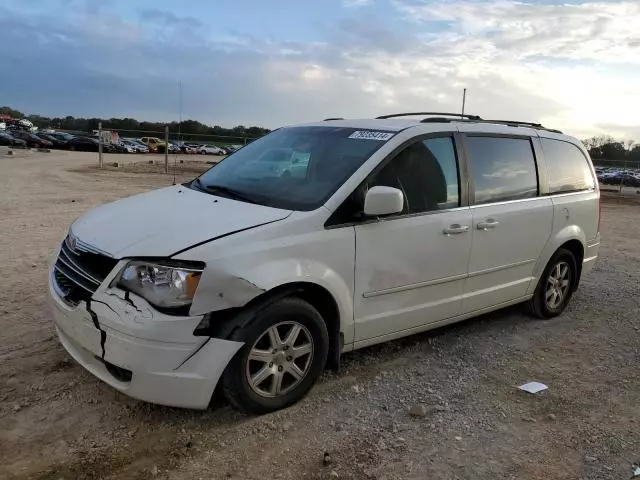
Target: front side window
(295, 168)
(427, 174)
(567, 166)
(502, 169)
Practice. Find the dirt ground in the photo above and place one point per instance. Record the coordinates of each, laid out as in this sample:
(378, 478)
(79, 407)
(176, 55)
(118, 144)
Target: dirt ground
(58, 422)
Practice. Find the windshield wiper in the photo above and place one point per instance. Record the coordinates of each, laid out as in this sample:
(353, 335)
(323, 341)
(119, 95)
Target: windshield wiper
(225, 191)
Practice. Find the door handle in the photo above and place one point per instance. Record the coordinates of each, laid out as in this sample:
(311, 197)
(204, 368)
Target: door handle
(488, 224)
(456, 229)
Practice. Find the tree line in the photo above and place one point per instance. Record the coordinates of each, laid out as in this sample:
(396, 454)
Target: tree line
(607, 148)
(599, 147)
(186, 127)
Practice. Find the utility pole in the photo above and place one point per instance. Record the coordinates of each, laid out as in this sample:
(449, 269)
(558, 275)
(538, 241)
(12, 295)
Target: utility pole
(464, 101)
(100, 145)
(166, 149)
(180, 102)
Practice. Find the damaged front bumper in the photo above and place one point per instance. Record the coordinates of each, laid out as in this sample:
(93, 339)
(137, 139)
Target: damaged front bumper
(139, 351)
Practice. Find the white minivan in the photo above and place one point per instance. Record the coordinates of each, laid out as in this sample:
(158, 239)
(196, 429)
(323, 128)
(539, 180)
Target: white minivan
(317, 240)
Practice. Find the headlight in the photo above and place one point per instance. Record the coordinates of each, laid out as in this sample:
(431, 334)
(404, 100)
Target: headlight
(162, 285)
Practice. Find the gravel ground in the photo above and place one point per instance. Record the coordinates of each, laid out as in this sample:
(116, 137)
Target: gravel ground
(470, 422)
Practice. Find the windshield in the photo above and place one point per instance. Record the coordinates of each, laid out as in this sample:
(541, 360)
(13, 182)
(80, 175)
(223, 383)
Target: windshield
(295, 168)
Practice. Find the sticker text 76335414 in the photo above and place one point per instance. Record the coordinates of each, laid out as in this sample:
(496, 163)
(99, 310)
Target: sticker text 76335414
(371, 135)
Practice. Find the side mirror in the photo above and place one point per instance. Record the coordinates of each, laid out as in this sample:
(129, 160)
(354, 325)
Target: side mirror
(383, 201)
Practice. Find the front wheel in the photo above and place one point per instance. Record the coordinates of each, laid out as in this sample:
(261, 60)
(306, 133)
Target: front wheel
(285, 351)
(555, 287)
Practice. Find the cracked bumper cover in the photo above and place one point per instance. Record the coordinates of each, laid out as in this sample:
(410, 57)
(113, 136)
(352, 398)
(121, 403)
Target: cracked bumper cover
(169, 365)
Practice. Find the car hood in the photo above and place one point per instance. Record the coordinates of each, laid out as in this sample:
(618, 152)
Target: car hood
(163, 222)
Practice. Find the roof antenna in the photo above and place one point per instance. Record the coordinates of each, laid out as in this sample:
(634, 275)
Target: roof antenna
(464, 100)
(175, 156)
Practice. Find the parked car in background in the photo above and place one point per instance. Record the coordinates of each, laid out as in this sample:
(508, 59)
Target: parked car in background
(32, 140)
(154, 144)
(187, 147)
(83, 144)
(135, 145)
(65, 137)
(116, 147)
(618, 176)
(56, 142)
(623, 178)
(9, 140)
(210, 150)
(126, 147)
(232, 148)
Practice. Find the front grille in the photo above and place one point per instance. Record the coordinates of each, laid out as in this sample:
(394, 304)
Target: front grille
(78, 272)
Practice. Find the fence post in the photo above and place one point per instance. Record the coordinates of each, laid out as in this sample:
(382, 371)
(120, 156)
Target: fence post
(100, 145)
(622, 176)
(166, 149)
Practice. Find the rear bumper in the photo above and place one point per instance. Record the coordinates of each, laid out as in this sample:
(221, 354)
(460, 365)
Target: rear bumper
(162, 370)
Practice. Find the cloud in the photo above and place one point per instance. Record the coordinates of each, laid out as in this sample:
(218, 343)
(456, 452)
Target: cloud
(579, 59)
(582, 31)
(574, 67)
(165, 18)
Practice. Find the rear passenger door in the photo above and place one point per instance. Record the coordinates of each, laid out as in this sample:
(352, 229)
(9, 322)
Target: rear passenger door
(511, 222)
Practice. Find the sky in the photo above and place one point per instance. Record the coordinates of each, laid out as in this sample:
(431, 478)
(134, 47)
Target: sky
(569, 64)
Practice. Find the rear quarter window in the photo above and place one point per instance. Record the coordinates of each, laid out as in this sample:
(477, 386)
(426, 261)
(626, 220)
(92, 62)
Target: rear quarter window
(567, 167)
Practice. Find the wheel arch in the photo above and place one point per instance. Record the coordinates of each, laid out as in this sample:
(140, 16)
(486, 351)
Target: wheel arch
(576, 247)
(323, 301)
(223, 322)
(571, 238)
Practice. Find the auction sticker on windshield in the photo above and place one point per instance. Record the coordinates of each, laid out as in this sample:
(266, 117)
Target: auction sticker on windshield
(371, 135)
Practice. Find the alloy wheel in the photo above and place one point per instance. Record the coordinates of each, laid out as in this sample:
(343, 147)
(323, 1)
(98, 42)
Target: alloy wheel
(280, 359)
(558, 284)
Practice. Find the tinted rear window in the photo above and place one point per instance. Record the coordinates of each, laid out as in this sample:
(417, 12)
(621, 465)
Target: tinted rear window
(567, 167)
(502, 168)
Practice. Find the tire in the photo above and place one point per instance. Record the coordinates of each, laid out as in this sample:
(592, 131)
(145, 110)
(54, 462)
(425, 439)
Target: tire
(545, 303)
(265, 368)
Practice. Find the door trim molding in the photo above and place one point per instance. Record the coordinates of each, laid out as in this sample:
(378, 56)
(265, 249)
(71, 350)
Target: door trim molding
(501, 267)
(413, 286)
(439, 281)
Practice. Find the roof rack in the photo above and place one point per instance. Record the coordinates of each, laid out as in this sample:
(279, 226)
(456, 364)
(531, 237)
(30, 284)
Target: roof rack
(516, 123)
(457, 115)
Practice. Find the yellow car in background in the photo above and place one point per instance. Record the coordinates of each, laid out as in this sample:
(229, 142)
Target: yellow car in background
(154, 144)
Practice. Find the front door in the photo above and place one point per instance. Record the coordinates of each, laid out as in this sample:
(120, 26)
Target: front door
(511, 222)
(411, 267)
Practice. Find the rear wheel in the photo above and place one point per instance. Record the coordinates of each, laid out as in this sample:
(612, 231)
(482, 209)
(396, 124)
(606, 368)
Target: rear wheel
(285, 350)
(555, 286)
